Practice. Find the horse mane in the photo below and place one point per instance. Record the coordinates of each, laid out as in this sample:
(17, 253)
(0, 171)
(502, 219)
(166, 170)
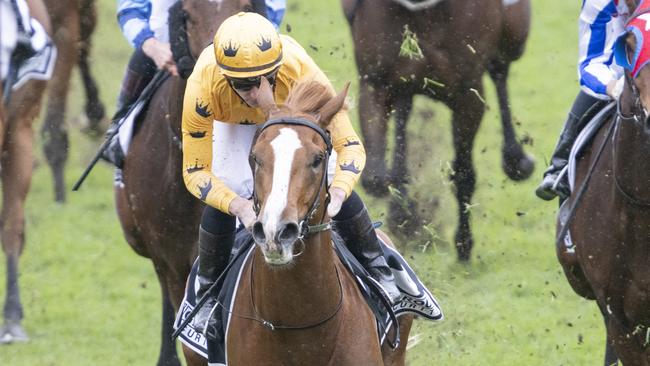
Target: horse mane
(308, 96)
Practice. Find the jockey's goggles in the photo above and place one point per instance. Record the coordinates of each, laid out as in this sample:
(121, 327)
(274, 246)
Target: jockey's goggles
(246, 84)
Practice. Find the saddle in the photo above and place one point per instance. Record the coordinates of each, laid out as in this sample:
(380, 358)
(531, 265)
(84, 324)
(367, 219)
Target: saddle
(416, 297)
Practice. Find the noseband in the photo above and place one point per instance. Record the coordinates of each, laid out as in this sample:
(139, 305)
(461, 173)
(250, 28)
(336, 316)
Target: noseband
(305, 228)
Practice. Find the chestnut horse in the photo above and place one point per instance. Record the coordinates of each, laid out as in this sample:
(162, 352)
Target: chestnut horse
(159, 217)
(294, 280)
(611, 223)
(17, 162)
(459, 41)
(73, 23)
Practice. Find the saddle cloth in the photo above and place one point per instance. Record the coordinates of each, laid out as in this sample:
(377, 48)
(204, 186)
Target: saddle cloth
(583, 140)
(26, 51)
(416, 297)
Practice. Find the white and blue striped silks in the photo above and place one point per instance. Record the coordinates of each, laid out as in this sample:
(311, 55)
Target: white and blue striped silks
(601, 23)
(143, 19)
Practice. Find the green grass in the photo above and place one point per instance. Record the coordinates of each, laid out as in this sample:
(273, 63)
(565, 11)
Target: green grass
(90, 300)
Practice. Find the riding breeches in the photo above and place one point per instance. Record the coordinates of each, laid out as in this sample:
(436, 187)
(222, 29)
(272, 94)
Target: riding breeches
(231, 146)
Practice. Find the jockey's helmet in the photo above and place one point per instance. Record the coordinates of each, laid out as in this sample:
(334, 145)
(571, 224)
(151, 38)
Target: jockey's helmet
(247, 45)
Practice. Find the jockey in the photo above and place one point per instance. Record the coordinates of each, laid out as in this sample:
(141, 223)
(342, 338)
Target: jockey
(220, 119)
(601, 80)
(144, 23)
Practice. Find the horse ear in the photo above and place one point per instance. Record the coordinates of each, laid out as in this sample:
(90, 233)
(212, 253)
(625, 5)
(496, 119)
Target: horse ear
(265, 97)
(327, 112)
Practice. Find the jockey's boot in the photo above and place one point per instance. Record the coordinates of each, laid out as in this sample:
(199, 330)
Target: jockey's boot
(359, 235)
(132, 85)
(214, 254)
(549, 188)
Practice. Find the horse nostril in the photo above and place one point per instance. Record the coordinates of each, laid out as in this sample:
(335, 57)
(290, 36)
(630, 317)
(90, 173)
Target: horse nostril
(258, 232)
(288, 234)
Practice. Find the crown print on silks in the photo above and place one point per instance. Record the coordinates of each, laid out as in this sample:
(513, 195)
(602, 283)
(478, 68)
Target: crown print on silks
(205, 190)
(264, 44)
(195, 168)
(230, 50)
(201, 109)
(198, 134)
(351, 142)
(350, 167)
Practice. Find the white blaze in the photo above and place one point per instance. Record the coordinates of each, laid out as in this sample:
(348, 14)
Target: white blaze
(284, 149)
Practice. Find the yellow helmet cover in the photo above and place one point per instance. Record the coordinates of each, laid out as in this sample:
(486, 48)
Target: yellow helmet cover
(247, 45)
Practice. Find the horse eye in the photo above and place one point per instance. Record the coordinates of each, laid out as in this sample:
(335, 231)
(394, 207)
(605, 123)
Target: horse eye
(318, 160)
(256, 160)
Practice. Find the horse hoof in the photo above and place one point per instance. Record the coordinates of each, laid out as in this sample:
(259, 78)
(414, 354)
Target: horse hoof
(375, 185)
(13, 333)
(464, 244)
(519, 169)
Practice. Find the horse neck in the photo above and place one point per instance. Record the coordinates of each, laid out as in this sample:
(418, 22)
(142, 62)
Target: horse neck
(306, 292)
(631, 163)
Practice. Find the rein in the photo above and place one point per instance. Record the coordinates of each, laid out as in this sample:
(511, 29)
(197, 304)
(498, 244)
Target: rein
(258, 318)
(585, 184)
(305, 228)
(634, 118)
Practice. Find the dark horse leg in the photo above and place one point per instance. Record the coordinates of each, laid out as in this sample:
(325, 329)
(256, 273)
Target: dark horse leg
(374, 111)
(516, 164)
(53, 132)
(403, 216)
(468, 111)
(94, 108)
(17, 162)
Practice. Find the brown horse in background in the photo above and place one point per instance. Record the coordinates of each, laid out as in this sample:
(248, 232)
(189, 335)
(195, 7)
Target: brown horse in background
(293, 279)
(611, 225)
(459, 41)
(159, 217)
(16, 166)
(73, 22)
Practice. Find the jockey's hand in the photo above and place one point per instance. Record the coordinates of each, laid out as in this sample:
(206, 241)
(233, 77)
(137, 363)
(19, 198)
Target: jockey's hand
(161, 54)
(615, 87)
(337, 196)
(243, 209)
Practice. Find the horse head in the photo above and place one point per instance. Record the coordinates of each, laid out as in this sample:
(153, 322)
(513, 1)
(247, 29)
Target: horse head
(632, 134)
(289, 162)
(203, 17)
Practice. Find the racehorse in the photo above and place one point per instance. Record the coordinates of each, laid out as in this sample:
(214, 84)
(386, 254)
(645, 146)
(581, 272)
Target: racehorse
(73, 23)
(16, 162)
(294, 280)
(159, 217)
(459, 40)
(611, 221)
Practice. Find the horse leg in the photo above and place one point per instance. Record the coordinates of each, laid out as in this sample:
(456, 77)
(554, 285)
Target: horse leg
(403, 210)
(515, 162)
(53, 132)
(374, 111)
(17, 163)
(94, 108)
(610, 356)
(468, 111)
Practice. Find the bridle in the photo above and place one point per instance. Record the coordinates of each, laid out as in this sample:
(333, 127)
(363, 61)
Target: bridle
(304, 226)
